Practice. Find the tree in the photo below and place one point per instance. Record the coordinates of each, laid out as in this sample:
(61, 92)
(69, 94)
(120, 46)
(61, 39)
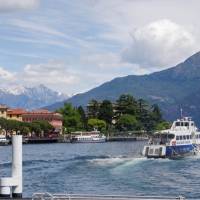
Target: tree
(4, 124)
(162, 126)
(126, 104)
(106, 112)
(13, 125)
(45, 126)
(96, 124)
(24, 130)
(71, 117)
(93, 108)
(83, 116)
(35, 127)
(127, 122)
(156, 113)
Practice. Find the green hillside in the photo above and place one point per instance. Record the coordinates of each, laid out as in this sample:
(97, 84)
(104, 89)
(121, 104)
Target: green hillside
(172, 89)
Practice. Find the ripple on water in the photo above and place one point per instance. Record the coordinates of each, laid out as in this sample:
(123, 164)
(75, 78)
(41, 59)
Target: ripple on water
(108, 168)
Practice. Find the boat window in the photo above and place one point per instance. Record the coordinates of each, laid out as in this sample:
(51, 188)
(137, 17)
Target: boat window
(186, 124)
(184, 137)
(181, 137)
(177, 137)
(192, 124)
(188, 137)
(182, 124)
(177, 123)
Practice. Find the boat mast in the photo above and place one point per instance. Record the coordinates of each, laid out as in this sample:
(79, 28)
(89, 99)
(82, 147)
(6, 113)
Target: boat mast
(181, 113)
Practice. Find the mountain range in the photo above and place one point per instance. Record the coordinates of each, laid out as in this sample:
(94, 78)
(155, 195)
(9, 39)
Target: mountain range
(172, 89)
(29, 97)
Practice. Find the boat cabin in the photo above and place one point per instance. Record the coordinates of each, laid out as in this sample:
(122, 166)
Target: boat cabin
(184, 124)
(161, 138)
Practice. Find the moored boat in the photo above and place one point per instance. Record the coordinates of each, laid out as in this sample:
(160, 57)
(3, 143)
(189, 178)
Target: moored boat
(182, 139)
(88, 137)
(3, 140)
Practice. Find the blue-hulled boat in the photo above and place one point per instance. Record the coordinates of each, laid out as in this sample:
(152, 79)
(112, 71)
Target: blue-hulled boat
(182, 139)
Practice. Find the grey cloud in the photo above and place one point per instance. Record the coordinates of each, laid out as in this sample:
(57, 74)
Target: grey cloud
(13, 5)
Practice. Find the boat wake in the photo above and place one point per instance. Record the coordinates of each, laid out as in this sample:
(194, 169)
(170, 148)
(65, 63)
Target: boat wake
(118, 162)
(108, 161)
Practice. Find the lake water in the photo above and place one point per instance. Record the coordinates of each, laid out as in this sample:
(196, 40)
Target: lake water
(107, 168)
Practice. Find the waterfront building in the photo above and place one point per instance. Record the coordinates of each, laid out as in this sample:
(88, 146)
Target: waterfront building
(15, 114)
(55, 119)
(3, 111)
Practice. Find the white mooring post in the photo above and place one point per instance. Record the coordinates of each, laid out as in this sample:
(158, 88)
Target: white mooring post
(12, 186)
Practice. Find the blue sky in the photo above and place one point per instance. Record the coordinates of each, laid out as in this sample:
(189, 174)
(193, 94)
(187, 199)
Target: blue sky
(73, 46)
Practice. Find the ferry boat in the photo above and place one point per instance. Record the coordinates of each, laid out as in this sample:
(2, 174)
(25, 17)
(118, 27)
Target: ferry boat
(88, 137)
(3, 140)
(182, 139)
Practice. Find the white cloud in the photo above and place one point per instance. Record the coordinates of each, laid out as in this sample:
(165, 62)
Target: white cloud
(33, 26)
(111, 63)
(96, 39)
(5, 75)
(160, 44)
(53, 74)
(12, 5)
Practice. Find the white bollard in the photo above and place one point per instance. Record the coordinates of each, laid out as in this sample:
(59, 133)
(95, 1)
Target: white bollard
(17, 165)
(14, 182)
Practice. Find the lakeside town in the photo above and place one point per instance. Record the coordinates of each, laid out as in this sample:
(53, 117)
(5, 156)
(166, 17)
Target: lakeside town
(125, 119)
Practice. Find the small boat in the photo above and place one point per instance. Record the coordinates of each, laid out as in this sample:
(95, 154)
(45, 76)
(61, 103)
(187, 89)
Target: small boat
(3, 140)
(182, 139)
(88, 137)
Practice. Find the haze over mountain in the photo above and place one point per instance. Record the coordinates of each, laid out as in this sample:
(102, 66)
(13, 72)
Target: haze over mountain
(29, 97)
(172, 89)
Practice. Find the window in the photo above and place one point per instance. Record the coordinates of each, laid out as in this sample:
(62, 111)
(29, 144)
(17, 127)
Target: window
(186, 124)
(188, 137)
(182, 124)
(177, 137)
(184, 137)
(181, 137)
(177, 123)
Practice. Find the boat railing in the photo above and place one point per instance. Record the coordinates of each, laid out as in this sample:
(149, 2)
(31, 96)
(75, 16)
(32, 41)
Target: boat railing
(49, 196)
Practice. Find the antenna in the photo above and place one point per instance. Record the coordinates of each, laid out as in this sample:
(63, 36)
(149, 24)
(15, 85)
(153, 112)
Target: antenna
(181, 113)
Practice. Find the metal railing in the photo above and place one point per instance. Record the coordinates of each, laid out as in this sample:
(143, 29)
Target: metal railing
(49, 196)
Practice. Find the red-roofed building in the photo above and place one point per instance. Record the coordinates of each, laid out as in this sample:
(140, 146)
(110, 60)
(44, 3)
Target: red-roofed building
(55, 119)
(15, 114)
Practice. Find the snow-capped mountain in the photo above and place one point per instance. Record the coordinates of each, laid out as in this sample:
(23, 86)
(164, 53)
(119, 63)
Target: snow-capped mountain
(29, 97)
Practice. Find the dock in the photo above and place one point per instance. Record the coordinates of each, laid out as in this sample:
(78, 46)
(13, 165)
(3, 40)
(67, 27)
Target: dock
(126, 139)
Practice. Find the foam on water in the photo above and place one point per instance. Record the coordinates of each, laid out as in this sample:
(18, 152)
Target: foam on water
(108, 161)
(107, 168)
(129, 163)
